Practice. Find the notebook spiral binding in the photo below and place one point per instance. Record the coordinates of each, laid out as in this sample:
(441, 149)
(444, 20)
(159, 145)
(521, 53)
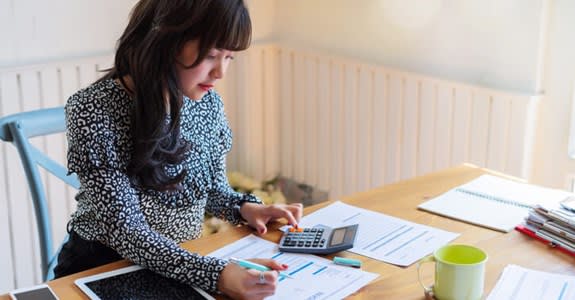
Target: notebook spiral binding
(493, 198)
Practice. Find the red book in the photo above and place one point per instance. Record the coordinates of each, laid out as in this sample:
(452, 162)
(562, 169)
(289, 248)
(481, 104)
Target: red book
(552, 244)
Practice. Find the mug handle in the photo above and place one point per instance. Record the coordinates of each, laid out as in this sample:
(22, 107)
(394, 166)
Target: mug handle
(429, 258)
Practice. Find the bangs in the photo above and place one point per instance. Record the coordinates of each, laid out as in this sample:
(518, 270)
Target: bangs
(224, 24)
(235, 32)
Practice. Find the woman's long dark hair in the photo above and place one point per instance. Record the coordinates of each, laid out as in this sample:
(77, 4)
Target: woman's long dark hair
(147, 51)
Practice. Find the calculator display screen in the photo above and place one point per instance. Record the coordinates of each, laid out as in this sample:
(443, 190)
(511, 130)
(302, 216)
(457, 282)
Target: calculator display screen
(337, 237)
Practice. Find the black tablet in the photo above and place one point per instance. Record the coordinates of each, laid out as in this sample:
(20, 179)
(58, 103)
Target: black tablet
(38, 292)
(137, 283)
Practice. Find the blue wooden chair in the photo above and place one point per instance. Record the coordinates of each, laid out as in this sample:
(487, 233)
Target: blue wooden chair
(18, 129)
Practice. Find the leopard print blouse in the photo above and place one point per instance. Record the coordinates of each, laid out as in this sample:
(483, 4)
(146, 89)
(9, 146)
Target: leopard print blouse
(145, 226)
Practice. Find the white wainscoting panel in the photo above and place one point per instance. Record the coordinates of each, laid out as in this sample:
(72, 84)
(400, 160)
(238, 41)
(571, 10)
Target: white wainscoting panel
(23, 89)
(347, 126)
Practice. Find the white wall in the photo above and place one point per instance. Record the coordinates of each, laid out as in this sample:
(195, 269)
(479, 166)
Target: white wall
(551, 160)
(492, 43)
(486, 42)
(263, 14)
(35, 31)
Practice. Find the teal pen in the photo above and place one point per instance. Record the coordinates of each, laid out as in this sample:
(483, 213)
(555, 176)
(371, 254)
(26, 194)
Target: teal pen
(251, 265)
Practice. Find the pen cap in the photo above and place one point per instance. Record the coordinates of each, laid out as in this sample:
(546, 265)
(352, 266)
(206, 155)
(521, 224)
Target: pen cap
(347, 262)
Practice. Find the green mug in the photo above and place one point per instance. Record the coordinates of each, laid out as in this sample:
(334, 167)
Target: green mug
(459, 272)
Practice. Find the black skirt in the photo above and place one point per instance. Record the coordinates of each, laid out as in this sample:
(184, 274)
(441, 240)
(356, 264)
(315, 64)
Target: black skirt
(78, 254)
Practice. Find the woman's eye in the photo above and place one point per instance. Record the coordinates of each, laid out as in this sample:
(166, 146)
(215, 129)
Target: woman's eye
(209, 56)
(230, 57)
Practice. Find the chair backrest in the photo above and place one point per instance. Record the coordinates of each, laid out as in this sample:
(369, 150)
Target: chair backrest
(18, 129)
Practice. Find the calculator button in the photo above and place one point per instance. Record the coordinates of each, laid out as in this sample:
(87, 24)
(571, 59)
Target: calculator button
(307, 230)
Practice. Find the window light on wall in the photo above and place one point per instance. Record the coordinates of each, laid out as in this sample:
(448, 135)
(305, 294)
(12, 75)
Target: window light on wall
(571, 143)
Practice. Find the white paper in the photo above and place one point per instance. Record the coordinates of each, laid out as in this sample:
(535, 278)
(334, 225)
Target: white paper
(380, 236)
(517, 282)
(314, 277)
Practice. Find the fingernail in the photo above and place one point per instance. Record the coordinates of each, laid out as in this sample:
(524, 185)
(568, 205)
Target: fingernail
(284, 266)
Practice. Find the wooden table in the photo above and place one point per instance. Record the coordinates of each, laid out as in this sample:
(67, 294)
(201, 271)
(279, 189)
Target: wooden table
(398, 200)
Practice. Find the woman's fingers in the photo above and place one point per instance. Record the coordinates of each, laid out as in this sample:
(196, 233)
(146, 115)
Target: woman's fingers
(262, 283)
(270, 263)
(268, 278)
(297, 210)
(291, 212)
(260, 226)
(259, 215)
(241, 283)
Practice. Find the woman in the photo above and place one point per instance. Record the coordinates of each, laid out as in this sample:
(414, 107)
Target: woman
(148, 143)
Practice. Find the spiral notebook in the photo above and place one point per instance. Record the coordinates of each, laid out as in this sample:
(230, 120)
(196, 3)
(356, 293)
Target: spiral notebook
(493, 202)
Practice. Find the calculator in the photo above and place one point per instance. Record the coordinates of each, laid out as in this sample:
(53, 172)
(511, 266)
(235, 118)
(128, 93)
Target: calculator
(319, 239)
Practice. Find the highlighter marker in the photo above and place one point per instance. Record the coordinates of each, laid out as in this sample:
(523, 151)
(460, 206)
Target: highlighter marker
(350, 262)
(251, 265)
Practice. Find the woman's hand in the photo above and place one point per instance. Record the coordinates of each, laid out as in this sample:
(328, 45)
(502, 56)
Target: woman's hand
(240, 283)
(259, 215)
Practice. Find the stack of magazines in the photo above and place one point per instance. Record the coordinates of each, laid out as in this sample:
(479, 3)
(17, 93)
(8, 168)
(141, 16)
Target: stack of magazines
(554, 226)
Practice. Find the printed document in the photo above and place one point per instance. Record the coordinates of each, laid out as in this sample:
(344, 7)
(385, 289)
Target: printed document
(380, 236)
(521, 283)
(314, 277)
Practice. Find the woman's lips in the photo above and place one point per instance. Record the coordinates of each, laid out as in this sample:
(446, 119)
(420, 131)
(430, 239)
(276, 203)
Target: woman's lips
(206, 87)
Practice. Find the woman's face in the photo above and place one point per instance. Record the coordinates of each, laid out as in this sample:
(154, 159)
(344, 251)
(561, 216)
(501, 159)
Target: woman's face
(197, 81)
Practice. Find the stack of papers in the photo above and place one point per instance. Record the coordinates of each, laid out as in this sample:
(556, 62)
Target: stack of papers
(555, 226)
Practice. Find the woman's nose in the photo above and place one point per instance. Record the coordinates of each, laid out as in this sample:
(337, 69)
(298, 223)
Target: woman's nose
(219, 70)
